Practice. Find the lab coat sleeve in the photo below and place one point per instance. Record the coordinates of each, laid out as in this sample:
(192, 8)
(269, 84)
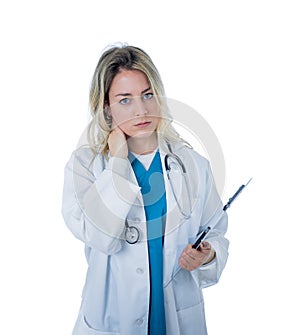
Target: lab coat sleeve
(95, 207)
(214, 217)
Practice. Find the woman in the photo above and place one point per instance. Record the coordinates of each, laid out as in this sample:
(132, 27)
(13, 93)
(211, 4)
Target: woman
(138, 225)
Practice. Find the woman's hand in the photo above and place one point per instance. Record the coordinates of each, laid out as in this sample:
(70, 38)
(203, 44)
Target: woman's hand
(117, 143)
(191, 258)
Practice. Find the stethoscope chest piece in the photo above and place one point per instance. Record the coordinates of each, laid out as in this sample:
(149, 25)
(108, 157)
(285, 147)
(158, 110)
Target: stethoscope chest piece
(131, 234)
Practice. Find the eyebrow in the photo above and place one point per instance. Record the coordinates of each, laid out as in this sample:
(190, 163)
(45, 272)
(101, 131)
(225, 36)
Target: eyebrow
(127, 94)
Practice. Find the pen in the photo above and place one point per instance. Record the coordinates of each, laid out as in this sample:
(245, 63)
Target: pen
(200, 238)
(230, 201)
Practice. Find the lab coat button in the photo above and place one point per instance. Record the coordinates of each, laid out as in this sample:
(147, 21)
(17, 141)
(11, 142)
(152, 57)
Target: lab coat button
(139, 322)
(139, 271)
(137, 219)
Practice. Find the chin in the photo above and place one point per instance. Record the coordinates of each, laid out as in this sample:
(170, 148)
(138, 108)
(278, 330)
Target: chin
(144, 134)
(140, 134)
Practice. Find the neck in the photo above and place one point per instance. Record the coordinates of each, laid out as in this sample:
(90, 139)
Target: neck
(142, 145)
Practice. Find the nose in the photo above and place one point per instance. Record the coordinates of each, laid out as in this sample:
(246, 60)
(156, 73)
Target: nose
(140, 107)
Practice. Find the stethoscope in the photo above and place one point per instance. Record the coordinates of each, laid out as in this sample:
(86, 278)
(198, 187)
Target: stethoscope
(132, 233)
(171, 159)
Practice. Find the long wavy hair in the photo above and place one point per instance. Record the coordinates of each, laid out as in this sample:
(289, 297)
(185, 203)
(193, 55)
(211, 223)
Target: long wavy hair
(113, 60)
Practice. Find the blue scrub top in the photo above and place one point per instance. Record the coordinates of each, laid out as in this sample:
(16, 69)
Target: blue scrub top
(152, 186)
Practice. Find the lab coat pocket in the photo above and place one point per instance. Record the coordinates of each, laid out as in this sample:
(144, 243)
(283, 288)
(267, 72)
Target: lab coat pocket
(192, 320)
(82, 328)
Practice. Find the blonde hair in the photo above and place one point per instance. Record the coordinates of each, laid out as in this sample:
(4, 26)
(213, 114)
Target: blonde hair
(112, 61)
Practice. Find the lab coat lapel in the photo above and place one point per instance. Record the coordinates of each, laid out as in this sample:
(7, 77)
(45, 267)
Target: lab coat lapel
(132, 178)
(173, 219)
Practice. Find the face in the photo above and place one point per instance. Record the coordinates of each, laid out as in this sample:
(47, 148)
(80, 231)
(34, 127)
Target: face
(133, 106)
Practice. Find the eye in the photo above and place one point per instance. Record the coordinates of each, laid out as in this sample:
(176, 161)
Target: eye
(124, 101)
(147, 96)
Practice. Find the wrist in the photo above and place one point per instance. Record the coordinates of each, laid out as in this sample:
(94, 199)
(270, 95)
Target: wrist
(211, 257)
(120, 166)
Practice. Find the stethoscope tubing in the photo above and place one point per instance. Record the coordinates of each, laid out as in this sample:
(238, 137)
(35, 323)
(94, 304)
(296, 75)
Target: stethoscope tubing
(132, 234)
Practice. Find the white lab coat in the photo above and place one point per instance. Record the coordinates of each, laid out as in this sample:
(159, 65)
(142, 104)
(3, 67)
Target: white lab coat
(98, 196)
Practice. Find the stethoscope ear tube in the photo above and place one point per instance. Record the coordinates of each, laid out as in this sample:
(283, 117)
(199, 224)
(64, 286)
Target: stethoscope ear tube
(169, 157)
(174, 156)
(178, 160)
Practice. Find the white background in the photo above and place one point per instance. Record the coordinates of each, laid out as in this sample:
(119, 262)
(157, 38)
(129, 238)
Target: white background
(236, 62)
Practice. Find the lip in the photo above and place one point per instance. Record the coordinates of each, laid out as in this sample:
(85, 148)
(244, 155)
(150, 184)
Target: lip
(143, 124)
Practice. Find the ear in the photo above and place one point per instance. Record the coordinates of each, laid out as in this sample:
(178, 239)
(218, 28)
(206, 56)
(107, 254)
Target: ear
(106, 108)
(107, 114)
(106, 104)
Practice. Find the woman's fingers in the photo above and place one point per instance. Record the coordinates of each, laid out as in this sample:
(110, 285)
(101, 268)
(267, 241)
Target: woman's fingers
(117, 143)
(191, 258)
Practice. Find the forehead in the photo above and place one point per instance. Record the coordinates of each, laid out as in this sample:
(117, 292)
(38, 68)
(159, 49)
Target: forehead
(129, 81)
